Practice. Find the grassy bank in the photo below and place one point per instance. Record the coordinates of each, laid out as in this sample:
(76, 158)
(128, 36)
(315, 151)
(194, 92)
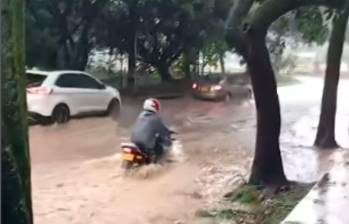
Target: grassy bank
(249, 205)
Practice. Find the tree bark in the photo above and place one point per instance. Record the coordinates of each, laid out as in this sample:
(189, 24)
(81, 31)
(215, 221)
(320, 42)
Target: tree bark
(203, 65)
(197, 63)
(187, 61)
(131, 63)
(267, 168)
(16, 206)
(222, 63)
(83, 49)
(325, 137)
(132, 48)
(164, 73)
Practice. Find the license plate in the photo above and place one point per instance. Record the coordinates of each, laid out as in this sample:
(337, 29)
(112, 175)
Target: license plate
(128, 157)
(204, 89)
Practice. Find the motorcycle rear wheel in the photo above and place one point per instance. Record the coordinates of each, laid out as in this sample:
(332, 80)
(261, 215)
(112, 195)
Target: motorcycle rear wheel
(126, 164)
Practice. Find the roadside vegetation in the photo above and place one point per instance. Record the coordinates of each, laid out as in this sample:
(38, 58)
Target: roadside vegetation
(249, 205)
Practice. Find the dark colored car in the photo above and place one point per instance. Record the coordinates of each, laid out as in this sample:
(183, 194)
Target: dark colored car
(222, 87)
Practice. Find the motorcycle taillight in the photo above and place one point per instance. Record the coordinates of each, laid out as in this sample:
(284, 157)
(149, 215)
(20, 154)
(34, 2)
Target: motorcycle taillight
(128, 150)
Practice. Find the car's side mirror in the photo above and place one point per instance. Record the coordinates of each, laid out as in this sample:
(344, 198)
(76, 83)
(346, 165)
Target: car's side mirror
(102, 86)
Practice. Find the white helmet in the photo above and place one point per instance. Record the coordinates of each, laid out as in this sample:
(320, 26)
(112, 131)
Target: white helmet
(152, 104)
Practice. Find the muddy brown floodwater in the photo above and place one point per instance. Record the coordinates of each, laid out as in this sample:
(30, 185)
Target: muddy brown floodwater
(77, 180)
(76, 175)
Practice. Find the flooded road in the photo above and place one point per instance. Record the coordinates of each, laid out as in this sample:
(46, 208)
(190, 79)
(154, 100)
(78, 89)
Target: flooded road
(300, 107)
(76, 175)
(327, 202)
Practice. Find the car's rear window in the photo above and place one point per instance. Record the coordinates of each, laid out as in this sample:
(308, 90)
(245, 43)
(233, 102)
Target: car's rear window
(210, 78)
(34, 79)
(238, 78)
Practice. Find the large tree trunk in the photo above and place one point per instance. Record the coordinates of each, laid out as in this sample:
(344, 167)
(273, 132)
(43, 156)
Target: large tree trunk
(65, 59)
(83, 50)
(164, 73)
(222, 63)
(267, 168)
(325, 137)
(197, 63)
(203, 65)
(132, 49)
(16, 207)
(131, 64)
(187, 61)
(78, 59)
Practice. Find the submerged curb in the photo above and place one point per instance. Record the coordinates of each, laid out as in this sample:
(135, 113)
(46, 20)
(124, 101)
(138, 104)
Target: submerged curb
(328, 200)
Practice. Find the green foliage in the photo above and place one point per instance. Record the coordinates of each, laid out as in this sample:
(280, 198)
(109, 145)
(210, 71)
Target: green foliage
(40, 37)
(157, 30)
(252, 205)
(309, 25)
(59, 33)
(246, 194)
(282, 204)
(313, 24)
(227, 214)
(162, 33)
(41, 50)
(212, 52)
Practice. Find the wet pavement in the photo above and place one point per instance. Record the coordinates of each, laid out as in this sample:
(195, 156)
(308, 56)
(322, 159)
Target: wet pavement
(75, 167)
(328, 201)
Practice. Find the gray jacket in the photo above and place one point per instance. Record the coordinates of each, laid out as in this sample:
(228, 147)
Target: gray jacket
(146, 129)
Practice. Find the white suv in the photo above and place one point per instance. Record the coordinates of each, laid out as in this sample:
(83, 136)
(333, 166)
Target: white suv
(58, 95)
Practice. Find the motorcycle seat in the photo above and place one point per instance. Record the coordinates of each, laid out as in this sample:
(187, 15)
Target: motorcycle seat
(129, 145)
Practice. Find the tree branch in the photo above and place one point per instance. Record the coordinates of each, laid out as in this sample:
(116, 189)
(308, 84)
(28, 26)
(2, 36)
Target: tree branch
(175, 55)
(236, 14)
(232, 24)
(271, 10)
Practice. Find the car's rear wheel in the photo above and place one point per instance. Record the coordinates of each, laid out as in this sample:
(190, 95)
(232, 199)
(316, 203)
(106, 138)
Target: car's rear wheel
(114, 109)
(61, 114)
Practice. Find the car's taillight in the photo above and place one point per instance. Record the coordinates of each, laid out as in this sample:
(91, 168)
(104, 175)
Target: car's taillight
(40, 90)
(216, 88)
(194, 86)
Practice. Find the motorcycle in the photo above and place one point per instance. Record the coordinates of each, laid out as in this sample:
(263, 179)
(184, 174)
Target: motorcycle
(133, 156)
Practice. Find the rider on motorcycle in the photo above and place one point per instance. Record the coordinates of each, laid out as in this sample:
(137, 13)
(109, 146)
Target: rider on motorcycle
(149, 132)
